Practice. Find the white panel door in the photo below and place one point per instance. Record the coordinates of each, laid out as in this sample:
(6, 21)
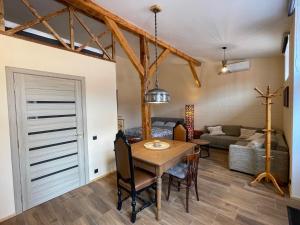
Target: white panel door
(50, 136)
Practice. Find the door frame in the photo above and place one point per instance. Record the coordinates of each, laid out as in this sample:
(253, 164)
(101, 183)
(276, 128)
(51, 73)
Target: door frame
(13, 127)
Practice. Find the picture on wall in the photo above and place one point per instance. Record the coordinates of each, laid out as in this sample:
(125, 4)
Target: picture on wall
(286, 97)
(121, 124)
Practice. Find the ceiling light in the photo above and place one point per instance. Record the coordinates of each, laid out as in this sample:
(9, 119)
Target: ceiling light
(156, 95)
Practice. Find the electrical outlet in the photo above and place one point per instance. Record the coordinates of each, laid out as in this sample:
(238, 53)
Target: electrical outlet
(95, 170)
(94, 138)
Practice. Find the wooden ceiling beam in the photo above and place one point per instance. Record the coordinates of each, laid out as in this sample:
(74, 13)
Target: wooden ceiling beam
(2, 21)
(125, 45)
(159, 60)
(96, 11)
(194, 72)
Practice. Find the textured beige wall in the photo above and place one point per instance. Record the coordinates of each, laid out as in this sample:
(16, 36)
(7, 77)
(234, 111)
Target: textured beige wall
(128, 85)
(100, 104)
(223, 99)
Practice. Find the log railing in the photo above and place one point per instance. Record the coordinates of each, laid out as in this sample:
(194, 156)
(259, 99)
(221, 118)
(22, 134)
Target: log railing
(73, 15)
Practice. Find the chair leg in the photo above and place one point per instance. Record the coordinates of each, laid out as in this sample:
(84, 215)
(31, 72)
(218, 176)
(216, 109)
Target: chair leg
(187, 198)
(119, 206)
(133, 205)
(178, 187)
(169, 187)
(196, 189)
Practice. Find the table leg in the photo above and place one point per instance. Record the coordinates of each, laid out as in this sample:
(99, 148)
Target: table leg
(158, 198)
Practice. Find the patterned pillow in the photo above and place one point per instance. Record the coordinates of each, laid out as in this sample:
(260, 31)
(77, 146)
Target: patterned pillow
(215, 130)
(246, 133)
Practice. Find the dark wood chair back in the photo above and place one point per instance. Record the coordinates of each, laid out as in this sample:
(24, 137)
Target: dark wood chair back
(180, 132)
(124, 162)
(192, 162)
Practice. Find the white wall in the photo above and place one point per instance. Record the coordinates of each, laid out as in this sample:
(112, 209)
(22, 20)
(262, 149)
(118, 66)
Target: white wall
(295, 146)
(129, 88)
(100, 99)
(222, 99)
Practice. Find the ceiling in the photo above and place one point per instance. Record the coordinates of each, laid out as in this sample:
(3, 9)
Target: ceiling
(250, 28)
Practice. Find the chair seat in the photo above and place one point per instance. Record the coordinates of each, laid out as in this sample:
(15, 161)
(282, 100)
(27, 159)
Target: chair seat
(142, 179)
(179, 171)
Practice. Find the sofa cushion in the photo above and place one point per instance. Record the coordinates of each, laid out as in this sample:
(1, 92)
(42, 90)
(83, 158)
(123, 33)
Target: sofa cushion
(274, 142)
(258, 130)
(206, 130)
(281, 143)
(220, 141)
(217, 130)
(232, 130)
(246, 133)
(257, 143)
(242, 143)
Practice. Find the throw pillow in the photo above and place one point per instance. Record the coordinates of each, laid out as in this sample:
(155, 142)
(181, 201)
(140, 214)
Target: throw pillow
(255, 136)
(246, 133)
(215, 130)
(158, 123)
(257, 143)
(170, 124)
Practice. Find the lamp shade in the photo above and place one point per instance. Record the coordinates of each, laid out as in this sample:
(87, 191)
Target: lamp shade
(157, 96)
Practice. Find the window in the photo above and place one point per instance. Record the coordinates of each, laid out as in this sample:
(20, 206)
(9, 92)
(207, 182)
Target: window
(287, 57)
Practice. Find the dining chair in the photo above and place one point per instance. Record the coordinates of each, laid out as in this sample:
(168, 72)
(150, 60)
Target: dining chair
(180, 132)
(131, 179)
(185, 173)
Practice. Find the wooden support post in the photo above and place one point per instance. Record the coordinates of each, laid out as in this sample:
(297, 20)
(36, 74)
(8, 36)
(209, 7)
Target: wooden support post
(159, 60)
(2, 22)
(71, 27)
(194, 72)
(125, 45)
(145, 108)
(113, 49)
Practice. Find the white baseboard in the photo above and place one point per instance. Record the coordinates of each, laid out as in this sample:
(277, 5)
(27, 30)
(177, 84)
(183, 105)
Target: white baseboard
(7, 217)
(102, 176)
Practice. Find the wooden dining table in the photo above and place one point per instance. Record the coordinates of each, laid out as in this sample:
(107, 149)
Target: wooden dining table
(159, 161)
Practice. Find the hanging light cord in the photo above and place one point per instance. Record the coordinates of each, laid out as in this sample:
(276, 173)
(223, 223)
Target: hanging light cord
(224, 53)
(156, 66)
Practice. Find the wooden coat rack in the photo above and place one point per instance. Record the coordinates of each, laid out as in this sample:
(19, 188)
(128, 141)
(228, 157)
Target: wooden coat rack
(268, 131)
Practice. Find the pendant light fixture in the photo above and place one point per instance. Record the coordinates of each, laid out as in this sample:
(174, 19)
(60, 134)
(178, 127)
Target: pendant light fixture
(224, 61)
(156, 95)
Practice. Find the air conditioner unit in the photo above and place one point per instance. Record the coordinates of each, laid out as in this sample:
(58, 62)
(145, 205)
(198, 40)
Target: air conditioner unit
(238, 66)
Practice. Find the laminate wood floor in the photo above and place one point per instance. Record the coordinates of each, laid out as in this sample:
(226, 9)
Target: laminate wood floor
(225, 198)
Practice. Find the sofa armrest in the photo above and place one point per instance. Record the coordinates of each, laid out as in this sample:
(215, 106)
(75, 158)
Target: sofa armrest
(279, 164)
(198, 133)
(241, 158)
